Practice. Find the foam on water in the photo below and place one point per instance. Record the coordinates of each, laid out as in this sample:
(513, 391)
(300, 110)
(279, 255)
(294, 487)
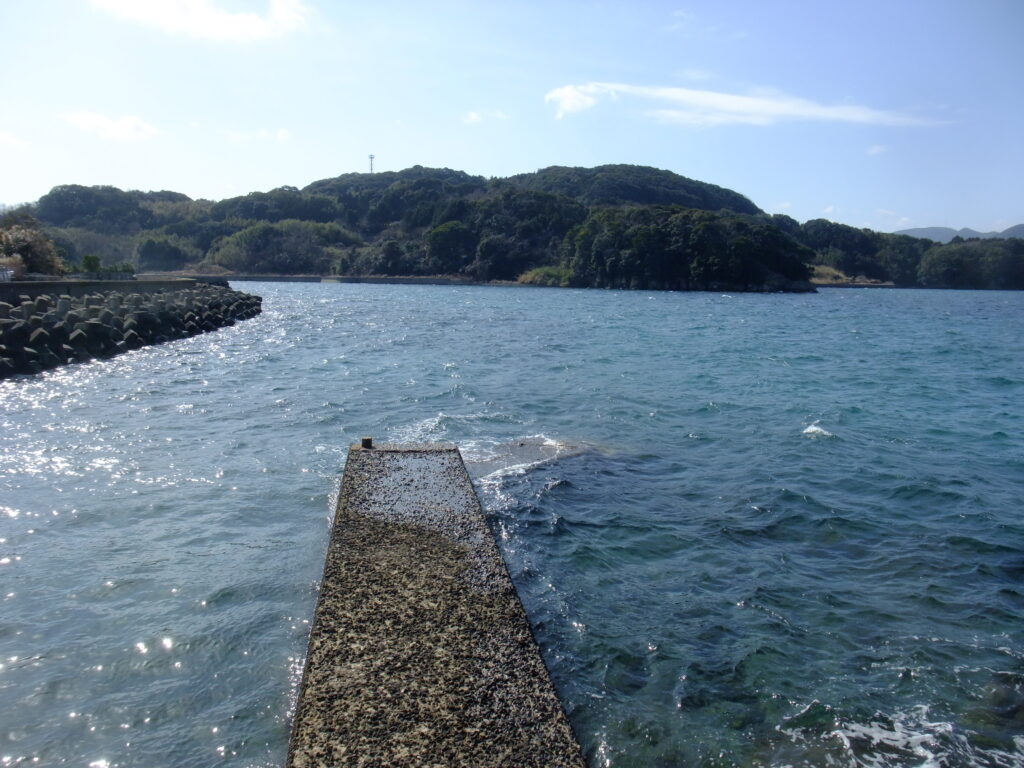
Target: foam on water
(489, 460)
(815, 431)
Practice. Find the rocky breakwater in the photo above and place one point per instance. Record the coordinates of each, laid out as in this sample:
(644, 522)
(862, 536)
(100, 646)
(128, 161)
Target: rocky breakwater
(52, 330)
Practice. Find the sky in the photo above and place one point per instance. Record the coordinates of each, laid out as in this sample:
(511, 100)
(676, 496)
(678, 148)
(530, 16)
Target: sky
(888, 115)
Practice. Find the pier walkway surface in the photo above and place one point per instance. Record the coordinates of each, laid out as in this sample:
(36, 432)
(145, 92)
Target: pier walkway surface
(420, 652)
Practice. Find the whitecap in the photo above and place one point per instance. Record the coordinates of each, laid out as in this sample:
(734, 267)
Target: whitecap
(814, 431)
(494, 460)
(911, 736)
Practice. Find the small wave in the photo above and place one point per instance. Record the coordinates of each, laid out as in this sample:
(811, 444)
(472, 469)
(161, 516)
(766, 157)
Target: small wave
(814, 431)
(493, 460)
(440, 428)
(912, 736)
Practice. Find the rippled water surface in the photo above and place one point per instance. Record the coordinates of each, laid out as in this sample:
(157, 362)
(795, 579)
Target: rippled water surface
(776, 530)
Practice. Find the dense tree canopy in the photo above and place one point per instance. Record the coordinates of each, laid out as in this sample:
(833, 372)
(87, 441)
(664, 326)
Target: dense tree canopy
(286, 247)
(614, 226)
(276, 205)
(104, 209)
(166, 253)
(974, 264)
(633, 184)
(911, 261)
(681, 248)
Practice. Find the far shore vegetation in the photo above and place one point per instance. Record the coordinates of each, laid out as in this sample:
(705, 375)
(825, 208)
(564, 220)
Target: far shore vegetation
(617, 226)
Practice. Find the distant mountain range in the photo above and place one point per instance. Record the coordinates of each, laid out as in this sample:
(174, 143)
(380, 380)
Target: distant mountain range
(945, 234)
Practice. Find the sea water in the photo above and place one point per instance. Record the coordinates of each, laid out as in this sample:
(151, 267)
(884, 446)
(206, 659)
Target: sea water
(752, 530)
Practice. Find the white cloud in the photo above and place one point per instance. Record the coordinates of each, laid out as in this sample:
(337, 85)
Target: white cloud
(10, 140)
(876, 149)
(124, 128)
(828, 209)
(573, 98)
(478, 116)
(283, 134)
(689, 106)
(202, 19)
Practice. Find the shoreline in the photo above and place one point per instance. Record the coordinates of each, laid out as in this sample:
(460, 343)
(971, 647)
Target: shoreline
(453, 280)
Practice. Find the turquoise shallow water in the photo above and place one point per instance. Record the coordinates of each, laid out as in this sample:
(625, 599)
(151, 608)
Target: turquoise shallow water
(779, 530)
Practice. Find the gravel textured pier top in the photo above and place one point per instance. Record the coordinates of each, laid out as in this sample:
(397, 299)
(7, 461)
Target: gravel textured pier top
(420, 652)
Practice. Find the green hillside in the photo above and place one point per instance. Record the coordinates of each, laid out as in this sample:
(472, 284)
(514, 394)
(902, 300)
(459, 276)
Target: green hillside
(620, 226)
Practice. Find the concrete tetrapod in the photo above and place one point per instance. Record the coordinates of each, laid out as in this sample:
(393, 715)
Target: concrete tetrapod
(52, 330)
(420, 652)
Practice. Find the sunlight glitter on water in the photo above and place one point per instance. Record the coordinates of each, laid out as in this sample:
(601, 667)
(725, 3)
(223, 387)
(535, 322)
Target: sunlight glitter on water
(695, 577)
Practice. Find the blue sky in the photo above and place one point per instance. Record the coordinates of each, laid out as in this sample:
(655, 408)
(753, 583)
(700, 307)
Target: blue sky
(888, 115)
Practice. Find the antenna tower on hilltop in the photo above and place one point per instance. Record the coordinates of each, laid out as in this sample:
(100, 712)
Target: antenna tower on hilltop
(371, 163)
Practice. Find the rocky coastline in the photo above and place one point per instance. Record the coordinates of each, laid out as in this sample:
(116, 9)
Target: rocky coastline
(54, 329)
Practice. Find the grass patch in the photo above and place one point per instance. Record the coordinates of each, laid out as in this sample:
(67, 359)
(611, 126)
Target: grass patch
(826, 274)
(557, 276)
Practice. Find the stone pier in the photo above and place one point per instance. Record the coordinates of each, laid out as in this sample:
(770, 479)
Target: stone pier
(420, 652)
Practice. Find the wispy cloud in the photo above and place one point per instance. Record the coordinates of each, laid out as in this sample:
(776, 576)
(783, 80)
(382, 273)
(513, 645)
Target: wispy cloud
(203, 19)
(828, 210)
(690, 106)
(124, 128)
(876, 149)
(479, 115)
(10, 140)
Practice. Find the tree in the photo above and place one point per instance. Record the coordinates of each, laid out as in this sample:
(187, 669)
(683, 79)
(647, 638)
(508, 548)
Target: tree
(956, 265)
(497, 258)
(36, 249)
(105, 209)
(162, 254)
(392, 259)
(449, 247)
(288, 247)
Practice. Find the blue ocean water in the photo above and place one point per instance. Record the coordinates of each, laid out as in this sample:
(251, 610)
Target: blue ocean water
(748, 530)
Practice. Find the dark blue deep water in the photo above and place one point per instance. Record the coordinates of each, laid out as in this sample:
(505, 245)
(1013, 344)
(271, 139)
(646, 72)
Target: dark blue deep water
(779, 530)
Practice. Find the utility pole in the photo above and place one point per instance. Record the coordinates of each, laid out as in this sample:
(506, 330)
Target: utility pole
(371, 163)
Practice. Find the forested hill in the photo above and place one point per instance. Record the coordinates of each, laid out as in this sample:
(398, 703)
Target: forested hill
(612, 226)
(633, 184)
